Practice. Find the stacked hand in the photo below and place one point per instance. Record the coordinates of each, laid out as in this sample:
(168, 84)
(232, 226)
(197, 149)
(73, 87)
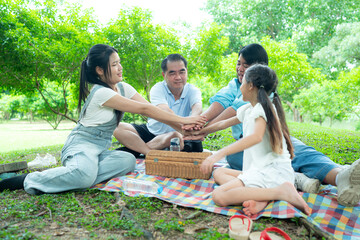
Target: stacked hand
(198, 132)
(193, 132)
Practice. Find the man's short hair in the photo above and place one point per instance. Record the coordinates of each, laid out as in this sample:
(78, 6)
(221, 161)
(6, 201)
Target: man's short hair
(172, 58)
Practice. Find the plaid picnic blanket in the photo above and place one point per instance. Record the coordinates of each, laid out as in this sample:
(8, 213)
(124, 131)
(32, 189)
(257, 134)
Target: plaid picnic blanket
(339, 221)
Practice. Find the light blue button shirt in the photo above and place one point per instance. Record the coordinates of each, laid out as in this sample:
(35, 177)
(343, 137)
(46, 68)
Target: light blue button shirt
(231, 96)
(160, 94)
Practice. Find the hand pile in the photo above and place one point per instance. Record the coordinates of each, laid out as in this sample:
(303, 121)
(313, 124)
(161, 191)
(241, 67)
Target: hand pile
(193, 132)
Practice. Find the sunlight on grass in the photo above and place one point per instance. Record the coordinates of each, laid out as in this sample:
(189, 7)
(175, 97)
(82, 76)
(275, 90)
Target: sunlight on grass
(20, 135)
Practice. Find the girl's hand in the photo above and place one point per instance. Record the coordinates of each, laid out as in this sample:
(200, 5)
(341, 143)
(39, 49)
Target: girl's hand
(208, 164)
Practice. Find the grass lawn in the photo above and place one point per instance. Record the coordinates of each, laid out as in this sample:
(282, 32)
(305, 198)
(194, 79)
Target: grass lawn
(21, 135)
(97, 214)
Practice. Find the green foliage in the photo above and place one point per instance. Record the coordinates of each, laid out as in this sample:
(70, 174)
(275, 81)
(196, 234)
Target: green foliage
(39, 105)
(144, 203)
(342, 50)
(142, 46)
(9, 106)
(134, 118)
(43, 43)
(52, 101)
(246, 21)
(292, 68)
(165, 227)
(323, 100)
(358, 126)
(218, 140)
(207, 88)
(349, 85)
(205, 55)
(306, 36)
(212, 234)
(16, 233)
(332, 99)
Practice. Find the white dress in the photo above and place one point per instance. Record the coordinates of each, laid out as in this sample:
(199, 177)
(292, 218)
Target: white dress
(261, 166)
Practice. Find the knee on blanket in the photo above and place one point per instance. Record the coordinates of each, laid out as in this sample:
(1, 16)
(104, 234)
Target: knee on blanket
(218, 199)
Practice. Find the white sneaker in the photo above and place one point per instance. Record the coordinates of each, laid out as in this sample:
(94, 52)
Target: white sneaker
(39, 162)
(306, 184)
(348, 185)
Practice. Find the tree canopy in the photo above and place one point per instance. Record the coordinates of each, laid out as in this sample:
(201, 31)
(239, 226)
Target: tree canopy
(312, 45)
(247, 21)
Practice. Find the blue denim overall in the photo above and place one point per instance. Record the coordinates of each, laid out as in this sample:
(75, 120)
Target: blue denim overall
(85, 158)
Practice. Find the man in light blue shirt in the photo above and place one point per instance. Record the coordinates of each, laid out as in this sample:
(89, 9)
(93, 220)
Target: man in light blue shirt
(174, 95)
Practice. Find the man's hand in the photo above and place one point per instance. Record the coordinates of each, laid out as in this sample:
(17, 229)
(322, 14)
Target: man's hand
(195, 137)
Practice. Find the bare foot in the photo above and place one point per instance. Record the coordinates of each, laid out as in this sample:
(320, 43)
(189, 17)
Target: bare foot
(288, 193)
(252, 207)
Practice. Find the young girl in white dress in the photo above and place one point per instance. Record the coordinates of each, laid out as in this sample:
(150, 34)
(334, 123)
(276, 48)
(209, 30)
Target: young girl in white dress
(267, 173)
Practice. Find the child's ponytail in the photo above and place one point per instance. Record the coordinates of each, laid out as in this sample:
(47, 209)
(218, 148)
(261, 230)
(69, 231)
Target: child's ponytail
(284, 127)
(272, 121)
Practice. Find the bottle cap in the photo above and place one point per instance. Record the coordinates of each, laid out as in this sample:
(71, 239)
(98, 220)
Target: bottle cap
(175, 141)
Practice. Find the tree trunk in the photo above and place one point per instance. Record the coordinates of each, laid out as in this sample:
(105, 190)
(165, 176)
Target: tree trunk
(52, 109)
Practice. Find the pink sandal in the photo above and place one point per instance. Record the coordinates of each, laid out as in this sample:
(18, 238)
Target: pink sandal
(264, 235)
(238, 228)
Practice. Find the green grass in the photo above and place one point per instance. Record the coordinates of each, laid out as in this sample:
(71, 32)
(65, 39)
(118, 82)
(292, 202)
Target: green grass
(340, 145)
(20, 135)
(95, 214)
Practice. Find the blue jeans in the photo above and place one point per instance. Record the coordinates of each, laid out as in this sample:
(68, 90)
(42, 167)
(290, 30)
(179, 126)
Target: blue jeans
(307, 160)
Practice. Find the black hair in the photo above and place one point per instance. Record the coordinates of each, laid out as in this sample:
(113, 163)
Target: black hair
(172, 58)
(98, 56)
(265, 79)
(254, 53)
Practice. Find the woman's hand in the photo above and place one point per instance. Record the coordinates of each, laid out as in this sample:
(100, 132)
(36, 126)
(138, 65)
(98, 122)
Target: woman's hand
(197, 120)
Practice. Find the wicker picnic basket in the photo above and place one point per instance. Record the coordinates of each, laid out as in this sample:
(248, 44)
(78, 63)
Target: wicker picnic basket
(176, 164)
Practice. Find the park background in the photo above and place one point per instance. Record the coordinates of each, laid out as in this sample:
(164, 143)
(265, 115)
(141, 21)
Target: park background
(314, 46)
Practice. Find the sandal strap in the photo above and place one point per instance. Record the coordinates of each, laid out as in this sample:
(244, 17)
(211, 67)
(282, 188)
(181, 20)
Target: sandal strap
(242, 218)
(266, 236)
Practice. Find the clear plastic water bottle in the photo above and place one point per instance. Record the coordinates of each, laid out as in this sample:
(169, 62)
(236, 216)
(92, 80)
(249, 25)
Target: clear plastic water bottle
(175, 144)
(138, 185)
